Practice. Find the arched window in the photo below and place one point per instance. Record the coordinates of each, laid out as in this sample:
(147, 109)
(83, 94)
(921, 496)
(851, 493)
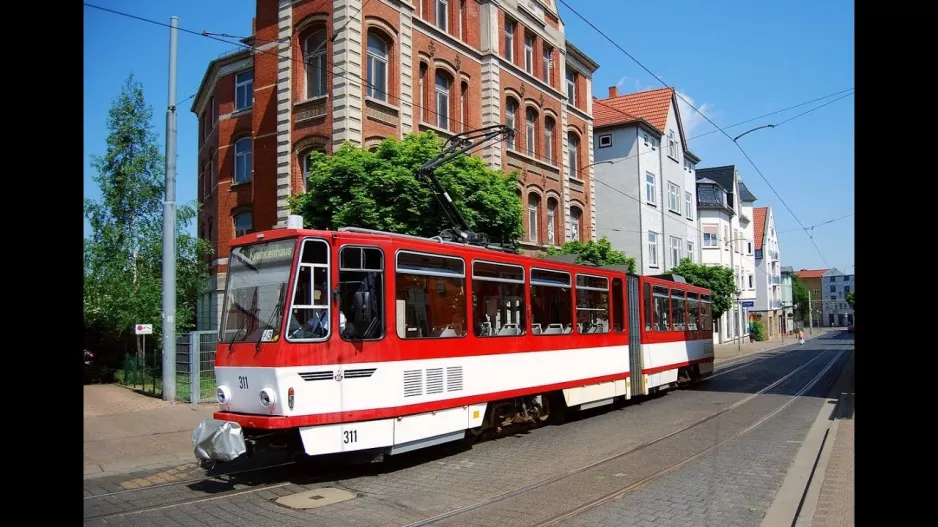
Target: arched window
(549, 139)
(573, 154)
(511, 110)
(534, 202)
(576, 223)
(443, 85)
(377, 67)
(305, 164)
(530, 131)
(464, 104)
(242, 153)
(551, 221)
(314, 58)
(424, 96)
(243, 224)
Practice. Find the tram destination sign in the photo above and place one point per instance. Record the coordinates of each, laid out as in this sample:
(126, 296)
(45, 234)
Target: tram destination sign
(143, 329)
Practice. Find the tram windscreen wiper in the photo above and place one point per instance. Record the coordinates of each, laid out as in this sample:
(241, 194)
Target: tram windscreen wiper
(245, 311)
(269, 324)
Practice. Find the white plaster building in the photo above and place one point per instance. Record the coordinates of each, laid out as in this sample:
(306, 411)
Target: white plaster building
(645, 200)
(834, 288)
(768, 272)
(725, 208)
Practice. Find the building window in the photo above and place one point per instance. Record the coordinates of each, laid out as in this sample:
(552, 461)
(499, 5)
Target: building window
(242, 167)
(431, 293)
(551, 224)
(690, 251)
(242, 224)
(546, 61)
(571, 88)
(549, 139)
(464, 105)
(424, 98)
(441, 14)
(510, 40)
(377, 67)
(576, 219)
(652, 249)
(751, 285)
(651, 192)
(689, 205)
(573, 154)
(605, 140)
(674, 198)
(511, 109)
(443, 84)
(749, 247)
(710, 233)
(315, 63)
(530, 130)
(675, 250)
(244, 90)
(534, 203)
(211, 111)
(726, 238)
(672, 145)
(528, 53)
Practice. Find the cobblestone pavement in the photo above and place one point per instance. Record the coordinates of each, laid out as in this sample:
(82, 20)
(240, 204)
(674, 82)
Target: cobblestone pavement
(415, 486)
(835, 507)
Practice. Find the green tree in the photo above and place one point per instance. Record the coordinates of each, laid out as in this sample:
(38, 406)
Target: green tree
(595, 252)
(718, 279)
(123, 255)
(850, 298)
(799, 295)
(379, 190)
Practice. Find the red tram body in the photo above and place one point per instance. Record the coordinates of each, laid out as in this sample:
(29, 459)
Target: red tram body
(359, 340)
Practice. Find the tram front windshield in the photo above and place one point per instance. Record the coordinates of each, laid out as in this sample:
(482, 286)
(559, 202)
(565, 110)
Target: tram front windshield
(258, 277)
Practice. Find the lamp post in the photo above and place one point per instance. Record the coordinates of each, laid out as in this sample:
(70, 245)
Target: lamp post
(739, 341)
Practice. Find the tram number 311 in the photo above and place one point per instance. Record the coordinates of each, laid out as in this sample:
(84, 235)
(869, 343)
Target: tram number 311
(350, 436)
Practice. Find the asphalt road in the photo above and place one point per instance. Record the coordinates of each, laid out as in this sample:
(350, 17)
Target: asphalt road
(661, 461)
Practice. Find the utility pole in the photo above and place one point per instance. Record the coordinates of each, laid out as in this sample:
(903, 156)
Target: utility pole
(810, 313)
(169, 227)
(736, 329)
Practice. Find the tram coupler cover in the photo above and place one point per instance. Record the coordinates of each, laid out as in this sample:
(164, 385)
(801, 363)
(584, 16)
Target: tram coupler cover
(217, 440)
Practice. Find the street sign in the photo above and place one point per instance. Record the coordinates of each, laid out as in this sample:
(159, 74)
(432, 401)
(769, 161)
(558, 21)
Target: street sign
(144, 329)
(749, 303)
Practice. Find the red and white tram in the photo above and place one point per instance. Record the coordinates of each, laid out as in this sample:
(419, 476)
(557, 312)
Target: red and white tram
(354, 339)
(359, 340)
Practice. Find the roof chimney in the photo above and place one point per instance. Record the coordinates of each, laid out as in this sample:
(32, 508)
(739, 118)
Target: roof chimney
(613, 91)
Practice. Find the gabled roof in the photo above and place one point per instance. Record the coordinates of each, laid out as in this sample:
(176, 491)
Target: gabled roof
(787, 269)
(745, 194)
(810, 273)
(650, 106)
(760, 214)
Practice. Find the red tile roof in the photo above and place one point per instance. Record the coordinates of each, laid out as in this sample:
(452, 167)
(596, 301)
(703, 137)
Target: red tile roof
(758, 224)
(651, 106)
(810, 273)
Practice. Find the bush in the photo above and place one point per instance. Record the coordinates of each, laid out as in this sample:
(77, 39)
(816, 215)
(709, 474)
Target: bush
(758, 331)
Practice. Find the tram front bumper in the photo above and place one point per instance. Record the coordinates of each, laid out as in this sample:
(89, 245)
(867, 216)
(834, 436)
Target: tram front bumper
(217, 440)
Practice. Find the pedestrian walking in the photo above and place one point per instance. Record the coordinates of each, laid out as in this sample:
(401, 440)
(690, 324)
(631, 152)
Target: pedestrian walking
(801, 336)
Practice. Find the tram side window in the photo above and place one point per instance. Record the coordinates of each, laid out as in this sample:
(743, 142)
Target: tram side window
(706, 321)
(361, 293)
(592, 304)
(646, 295)
(430, 296)
(497, 299)
(551, 305)
(310, 314)
(693, 311)
(662, 308)
(678, 314)
(618, 306)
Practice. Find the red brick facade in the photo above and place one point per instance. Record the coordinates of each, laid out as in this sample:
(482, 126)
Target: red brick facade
(310, 91)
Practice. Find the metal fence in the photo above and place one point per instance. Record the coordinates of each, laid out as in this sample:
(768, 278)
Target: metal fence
(195, 367)
(143, 373)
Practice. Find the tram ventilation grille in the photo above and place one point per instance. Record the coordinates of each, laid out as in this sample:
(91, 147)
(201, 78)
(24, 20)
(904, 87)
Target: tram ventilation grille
(413, 383)
(454, 378)
(435, 381)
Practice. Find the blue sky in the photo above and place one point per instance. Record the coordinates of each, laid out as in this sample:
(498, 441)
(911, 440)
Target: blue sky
(732, 60)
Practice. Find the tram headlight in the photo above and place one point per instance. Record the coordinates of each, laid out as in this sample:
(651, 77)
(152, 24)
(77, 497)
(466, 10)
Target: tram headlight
(223, 395)
(268, 397)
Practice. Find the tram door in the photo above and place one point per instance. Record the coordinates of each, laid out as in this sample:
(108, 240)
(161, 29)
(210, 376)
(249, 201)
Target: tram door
(635, 338)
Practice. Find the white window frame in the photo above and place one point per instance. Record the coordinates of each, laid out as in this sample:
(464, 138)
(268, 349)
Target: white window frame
(689, 205)
(510, 120)
(605, 141)
(375, 61)
(546, 60)
(575, 224)
(442, 117)
(530, 131)
(690, 251)
(442, 14)
(652, 249)
(573, 159)
(674, 198)
(532, 219)
(245, 86)
(549, 140)
(571, 87)
(651, 189)
(510, 40)
(714, 236)
(247, 163)
(550, 223)
(529, 53)
(315, 59)
(241, 231)
(672, 145)
(677, 249)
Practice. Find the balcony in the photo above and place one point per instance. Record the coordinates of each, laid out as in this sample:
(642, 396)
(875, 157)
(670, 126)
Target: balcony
(773, 255)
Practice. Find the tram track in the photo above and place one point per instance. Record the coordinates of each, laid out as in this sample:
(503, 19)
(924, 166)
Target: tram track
(522, 491)
(274, 481)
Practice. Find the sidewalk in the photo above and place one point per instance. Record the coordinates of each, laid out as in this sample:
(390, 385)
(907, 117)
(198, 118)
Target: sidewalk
(728, 351)
(125, 430)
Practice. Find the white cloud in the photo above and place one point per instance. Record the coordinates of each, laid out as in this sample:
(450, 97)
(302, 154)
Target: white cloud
(691, 117)
(621, 82)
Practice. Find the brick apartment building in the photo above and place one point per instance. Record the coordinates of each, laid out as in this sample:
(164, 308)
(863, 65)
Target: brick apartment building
(322, 73)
